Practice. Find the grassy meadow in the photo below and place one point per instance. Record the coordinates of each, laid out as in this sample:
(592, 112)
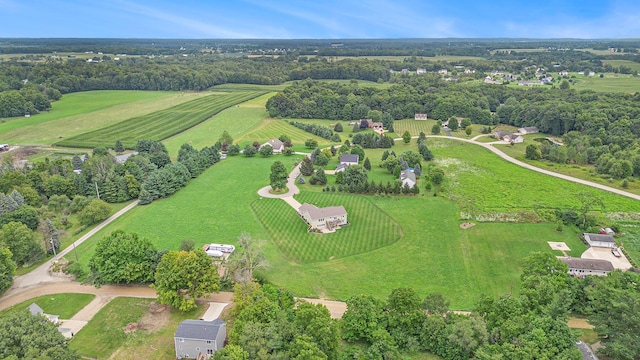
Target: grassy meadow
(609, 83)
(161, 124)
(81, 112)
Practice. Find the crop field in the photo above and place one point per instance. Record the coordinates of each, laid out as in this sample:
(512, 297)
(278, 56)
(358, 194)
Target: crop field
(370, 228)
(64, 305)
(160, 124)
(78, 113)
(628, 63)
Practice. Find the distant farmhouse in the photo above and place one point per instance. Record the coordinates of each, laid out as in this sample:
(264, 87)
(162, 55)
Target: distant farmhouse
(276, 145)
(508, 137)
(324, 219)
(582, 267)
(528, 130)
(199, 339)
(347, 160)
(370, 124)
(408, 178)
(420, 116)
(600, 240)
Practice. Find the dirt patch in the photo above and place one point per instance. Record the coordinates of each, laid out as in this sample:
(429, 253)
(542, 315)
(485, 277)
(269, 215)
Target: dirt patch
(467, 225)
(153, 320)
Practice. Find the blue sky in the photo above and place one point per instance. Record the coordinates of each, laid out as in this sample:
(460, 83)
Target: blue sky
(330, 19)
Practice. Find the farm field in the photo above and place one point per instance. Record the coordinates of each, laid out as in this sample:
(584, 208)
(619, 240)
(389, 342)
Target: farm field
(104, 338)
(628, 63)
(77, 113)
(64, 305)
(610, 83)
(370, 228)
(160, 124)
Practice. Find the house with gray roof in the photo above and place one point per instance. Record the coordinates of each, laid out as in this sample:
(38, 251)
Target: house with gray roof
(600, 240)
(34, 309)
(328, 218)
(347, 160)
(528, 130)
(199, 339)
(408, 178)
(580, 267)
(276, 145)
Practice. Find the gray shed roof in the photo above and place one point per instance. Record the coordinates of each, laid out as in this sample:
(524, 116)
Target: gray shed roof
(349, 158)
(319, 213)
(407, 174)
(587, 264)
(199, 329)
(599, 237)
(34, 309)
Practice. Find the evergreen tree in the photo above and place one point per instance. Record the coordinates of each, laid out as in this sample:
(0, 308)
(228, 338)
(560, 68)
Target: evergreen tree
(319, 177)
(306, 168)
(367, 164)
(118, 147)
(76, 162)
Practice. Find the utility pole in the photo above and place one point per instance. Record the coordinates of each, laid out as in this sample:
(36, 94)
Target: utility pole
(53, 246)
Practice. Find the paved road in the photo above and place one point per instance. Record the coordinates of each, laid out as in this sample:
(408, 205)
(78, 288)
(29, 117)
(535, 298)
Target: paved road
(41, 274)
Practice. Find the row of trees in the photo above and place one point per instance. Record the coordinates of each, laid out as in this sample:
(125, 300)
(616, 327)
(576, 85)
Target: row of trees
(322, 131)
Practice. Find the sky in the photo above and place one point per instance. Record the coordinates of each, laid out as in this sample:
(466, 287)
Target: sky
(324, 19)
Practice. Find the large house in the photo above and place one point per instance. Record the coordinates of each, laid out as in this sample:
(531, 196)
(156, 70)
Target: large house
(528, 130)
(508, 137)
(276, 145)
(347, 160)
(199, 339)
(582, 267)
(408, 178)
(328, 218)
(600, 240)
(420, 116)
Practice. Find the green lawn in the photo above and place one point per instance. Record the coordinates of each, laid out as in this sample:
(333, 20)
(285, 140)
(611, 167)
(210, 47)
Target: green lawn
(370, 228)
(104, 335)
(610, 83)
(78, 113)
(64, 305)
(161, 124)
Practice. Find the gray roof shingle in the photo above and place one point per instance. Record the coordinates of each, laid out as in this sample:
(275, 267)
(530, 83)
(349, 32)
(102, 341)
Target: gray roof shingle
(587, 264)
(199, 329)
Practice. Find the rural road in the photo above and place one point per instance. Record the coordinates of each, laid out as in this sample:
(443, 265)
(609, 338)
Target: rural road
(534, 168)
(41, 274)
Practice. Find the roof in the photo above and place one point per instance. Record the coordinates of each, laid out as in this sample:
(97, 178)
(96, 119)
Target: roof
(274, 143)
(407, 174)
(587, 264)
(342, 166)
(199, 329)
(530, 128)
(121, 159)
(599, 237)
(319, 213)
(501, 134)
(349, 158)
(34, 309)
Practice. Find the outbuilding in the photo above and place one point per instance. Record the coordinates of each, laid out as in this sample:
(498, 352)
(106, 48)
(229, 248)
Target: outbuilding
(600, 240)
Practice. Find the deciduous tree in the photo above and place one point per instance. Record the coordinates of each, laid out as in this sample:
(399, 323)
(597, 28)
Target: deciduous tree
(183, 276)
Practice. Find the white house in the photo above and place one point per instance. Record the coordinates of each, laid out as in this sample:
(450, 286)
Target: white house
(582, 267)
(330, 218)
(528, 130)
(443, 71)
(199, 339)
(420, 116)
(508, 137)
(347, 160)
(276, 145)
(599, 240)
(408, 178)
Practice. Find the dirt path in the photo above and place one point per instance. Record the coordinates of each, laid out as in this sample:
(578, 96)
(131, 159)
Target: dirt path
(576, 323)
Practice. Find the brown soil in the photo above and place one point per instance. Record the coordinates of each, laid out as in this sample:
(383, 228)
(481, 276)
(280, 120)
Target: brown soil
(153, 320)
(467, 225)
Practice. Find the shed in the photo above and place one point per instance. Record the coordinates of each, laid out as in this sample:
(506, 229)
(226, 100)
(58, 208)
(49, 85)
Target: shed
(600, 240)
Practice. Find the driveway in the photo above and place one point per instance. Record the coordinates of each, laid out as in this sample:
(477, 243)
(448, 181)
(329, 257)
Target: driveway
(621, 262)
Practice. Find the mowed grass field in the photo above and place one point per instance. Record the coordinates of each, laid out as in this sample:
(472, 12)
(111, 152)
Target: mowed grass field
(160, 124)
(610, 83)
(370, 228)
(64, 305)
(78, 113)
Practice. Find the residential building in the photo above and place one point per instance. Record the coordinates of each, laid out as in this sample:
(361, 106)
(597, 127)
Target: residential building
(199, 339)
(408, 178)
(528, 130)
(582, 267)
(328, 218)
(276, 145)
(347, 160)
(420, 116)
